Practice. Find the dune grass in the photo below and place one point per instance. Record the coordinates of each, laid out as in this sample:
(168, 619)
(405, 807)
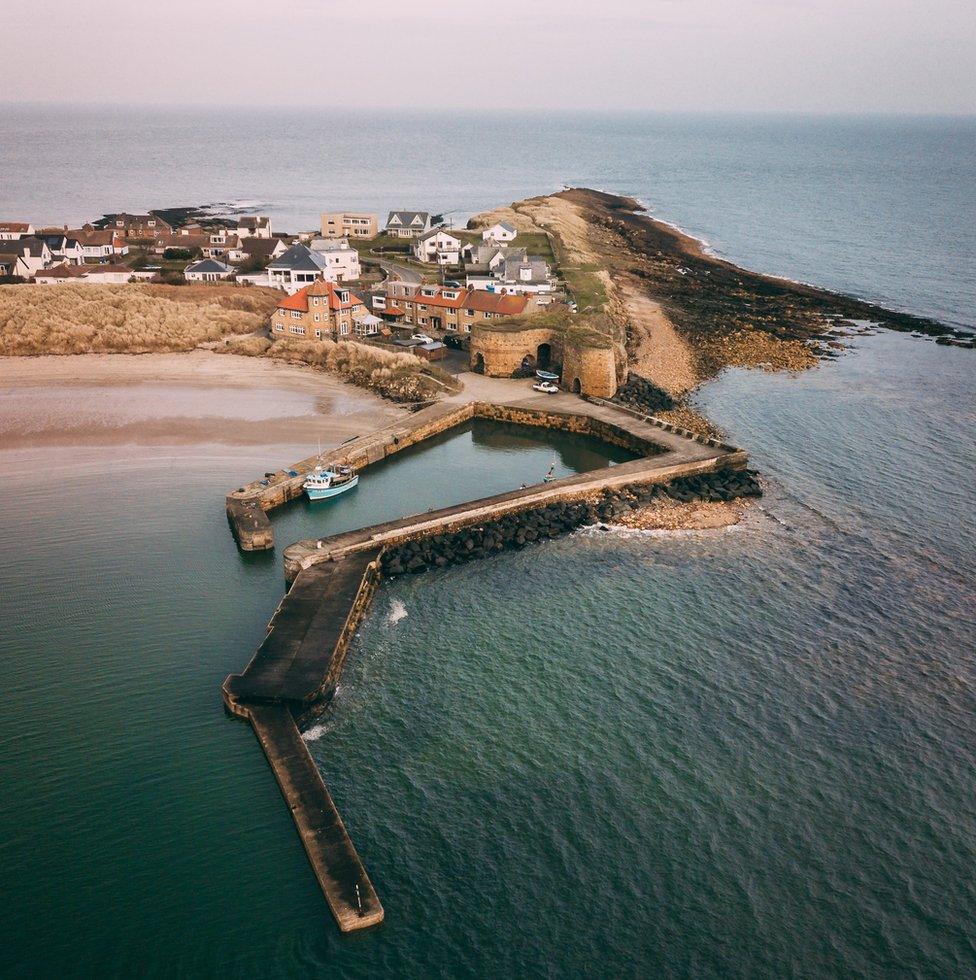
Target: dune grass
(399, 377)
(132, 319)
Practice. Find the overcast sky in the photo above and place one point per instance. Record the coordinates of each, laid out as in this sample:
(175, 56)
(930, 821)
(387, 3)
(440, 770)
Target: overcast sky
(793, 55)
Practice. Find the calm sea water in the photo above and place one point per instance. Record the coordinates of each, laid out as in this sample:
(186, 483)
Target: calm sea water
(884, 208)
(746, 752)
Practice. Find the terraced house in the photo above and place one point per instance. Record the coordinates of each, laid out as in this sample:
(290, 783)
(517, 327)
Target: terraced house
(323, 311)
(441, 308)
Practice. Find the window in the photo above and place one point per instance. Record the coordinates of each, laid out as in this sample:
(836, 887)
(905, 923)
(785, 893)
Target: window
(423, 320)
(298, 330)
(318, 334)
(316, 318)
(422, 307)
(296, 315)
(344, 328)
(469, 312)
(343, 295)
(279, 327)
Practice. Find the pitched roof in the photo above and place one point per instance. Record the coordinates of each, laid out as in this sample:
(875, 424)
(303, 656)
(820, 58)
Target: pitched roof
(260, 248)
(299, 258)
(407, 218)
(12, 226)
(501, 303)
(209, 265)
(253, 221)
(323, 288)
(65, 271)
(438, 231)
(28, 245)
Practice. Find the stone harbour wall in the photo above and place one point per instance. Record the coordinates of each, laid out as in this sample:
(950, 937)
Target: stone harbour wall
(516, 530)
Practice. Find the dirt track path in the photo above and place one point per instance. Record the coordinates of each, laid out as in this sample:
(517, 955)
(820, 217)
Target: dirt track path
(657, 352)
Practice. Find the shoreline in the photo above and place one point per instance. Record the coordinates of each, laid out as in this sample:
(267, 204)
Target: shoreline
(331, 411)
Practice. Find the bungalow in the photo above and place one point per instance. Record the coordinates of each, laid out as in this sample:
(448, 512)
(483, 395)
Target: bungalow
(93, 275)
(9, 230)
(28, 255)
(501, 231)
(263, 249)
(139, 226)
(252, 226)
(340, 259)
(207, 270)
(529, 273)
(323, 311)
(408, 224)
(438, 246)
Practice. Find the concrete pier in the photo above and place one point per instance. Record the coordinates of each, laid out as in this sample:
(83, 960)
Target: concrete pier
(333, 580)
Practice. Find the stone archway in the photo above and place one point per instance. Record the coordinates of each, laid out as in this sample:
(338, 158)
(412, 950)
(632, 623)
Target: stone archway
(543, 356)
(479, 363)
(577, 387)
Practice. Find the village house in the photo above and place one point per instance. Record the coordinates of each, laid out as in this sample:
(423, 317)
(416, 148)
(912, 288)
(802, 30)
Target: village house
(207, 270)
(349, 224)
(142, 227)
(99, 246)
(64, 248)
(426, 308)
(252, 226)
(408, 224)
(112, 275)
(484, 259)
(438, 246)
(323, 311)
(9, 230)
(7, 265)
(26, 255)
(501, 231)
(297, 267)
(263, 249)
(340, 259)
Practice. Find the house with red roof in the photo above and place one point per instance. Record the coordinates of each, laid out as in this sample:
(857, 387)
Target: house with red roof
(428, 307)
(323, 310)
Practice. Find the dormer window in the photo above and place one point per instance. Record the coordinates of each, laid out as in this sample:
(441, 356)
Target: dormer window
(151, 222)
(343, 295)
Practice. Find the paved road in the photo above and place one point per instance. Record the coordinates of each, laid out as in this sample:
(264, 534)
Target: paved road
(398, 271)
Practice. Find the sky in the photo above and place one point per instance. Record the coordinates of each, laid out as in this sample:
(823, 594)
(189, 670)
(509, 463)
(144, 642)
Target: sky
(823, 56)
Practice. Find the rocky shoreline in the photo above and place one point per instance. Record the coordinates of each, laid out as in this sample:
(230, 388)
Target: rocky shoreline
(515, 531)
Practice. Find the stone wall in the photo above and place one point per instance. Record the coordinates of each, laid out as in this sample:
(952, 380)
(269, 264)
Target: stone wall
(516, 530)
(586, 370)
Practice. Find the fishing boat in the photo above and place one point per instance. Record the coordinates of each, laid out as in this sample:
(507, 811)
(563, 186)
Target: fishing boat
(551, 475)
(547, 376)
(324, 483)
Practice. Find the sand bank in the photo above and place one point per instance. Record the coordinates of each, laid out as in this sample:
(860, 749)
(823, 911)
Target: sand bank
(178, 399)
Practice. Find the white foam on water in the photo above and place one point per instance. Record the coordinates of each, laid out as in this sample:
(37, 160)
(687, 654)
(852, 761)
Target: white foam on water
(397, 612)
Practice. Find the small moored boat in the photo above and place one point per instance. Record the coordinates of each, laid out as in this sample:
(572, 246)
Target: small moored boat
(546, 376)
(324, 483)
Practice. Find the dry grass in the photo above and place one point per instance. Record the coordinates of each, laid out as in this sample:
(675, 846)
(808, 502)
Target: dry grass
(399, 377)
(132, 319)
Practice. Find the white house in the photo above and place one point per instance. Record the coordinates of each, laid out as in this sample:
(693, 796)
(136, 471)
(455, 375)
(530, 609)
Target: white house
(408, 224)
(29, 255)
(501, 231)
(64, 248)
(207, 270)
(340, 259)
(438, 246)
(9, 230)
(298, 267)
(253, 227)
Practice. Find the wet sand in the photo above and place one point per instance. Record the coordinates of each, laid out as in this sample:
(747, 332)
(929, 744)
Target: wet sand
(178, 399)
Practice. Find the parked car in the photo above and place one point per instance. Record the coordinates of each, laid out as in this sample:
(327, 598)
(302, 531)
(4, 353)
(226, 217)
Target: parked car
(422, 338)
(452, 284)
(547, 386)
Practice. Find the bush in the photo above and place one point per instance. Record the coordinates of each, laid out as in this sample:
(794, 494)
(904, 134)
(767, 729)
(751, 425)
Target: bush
(181, 254)
(399, 377)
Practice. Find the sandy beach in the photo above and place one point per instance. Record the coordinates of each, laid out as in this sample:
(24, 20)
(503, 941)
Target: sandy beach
(178, 399)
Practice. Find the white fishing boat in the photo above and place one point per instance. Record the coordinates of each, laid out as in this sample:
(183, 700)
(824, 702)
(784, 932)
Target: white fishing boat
(322, 483)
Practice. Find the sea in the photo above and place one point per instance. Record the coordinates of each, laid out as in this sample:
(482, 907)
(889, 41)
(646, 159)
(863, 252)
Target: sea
(744, 752)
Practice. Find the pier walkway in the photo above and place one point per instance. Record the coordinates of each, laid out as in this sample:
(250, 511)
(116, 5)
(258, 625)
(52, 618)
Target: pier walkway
(333, 580)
